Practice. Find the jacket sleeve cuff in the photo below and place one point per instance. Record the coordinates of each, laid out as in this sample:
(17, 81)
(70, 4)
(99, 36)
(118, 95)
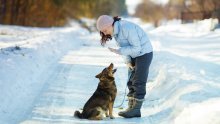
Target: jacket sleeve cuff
(121, 51)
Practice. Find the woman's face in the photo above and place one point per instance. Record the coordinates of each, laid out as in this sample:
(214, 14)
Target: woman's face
(108, 30)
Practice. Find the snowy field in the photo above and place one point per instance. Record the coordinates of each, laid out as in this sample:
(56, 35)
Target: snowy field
(48, 73)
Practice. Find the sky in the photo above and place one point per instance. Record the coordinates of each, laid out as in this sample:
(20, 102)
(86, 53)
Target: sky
(160, 1)
(131, 4)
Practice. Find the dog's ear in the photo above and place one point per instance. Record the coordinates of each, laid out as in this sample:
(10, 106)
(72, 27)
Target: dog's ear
(114, 71)
(98, 75)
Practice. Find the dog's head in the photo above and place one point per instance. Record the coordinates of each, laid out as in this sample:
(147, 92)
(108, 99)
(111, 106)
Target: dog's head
(107, 74)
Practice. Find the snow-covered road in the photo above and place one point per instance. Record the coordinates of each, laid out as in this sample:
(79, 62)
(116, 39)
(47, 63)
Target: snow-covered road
(52, 73)
(71, 84)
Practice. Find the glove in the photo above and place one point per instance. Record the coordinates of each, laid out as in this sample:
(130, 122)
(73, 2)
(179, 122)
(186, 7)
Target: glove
(114, 50)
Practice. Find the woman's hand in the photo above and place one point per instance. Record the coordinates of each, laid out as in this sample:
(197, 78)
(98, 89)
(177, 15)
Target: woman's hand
(114, 50)
(130, 66)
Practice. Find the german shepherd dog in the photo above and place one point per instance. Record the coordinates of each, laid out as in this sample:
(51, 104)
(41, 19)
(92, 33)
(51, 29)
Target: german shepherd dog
(102, 100)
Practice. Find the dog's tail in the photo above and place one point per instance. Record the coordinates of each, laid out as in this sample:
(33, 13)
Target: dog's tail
(78, 114)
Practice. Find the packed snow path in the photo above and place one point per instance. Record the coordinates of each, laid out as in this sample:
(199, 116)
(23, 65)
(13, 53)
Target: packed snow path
(72, 83)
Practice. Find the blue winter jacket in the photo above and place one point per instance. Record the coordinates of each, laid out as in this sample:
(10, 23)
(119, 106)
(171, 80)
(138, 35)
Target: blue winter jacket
(131, 39)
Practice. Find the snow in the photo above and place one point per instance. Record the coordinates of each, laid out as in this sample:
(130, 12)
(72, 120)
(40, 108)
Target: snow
(52, 73)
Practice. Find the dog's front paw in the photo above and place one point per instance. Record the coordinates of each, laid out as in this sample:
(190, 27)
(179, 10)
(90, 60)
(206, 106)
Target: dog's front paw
(112, 117)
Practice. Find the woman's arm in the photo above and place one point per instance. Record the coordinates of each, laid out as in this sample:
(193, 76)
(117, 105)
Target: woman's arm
(130, 32)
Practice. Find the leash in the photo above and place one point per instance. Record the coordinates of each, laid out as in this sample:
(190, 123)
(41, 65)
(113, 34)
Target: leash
(120, 105)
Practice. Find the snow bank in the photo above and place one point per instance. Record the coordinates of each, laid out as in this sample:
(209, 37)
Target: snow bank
(24, 71)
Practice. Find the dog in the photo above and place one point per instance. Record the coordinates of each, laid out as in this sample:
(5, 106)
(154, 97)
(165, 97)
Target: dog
(102, 101)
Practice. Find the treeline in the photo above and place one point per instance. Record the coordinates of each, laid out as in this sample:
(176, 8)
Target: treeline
(152, 12)
(46, 13)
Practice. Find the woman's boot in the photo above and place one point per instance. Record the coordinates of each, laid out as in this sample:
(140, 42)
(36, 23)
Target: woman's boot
(135, 111)
(130, 105)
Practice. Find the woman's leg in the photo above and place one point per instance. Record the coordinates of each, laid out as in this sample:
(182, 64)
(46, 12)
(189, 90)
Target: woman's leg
(139, 80)
(130, 85)
(142, 64)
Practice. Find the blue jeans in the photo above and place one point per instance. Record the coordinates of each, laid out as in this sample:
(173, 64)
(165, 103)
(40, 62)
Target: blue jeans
(138, 77)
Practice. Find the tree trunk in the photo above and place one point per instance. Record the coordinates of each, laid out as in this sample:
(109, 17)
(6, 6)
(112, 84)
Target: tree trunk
(2, 10)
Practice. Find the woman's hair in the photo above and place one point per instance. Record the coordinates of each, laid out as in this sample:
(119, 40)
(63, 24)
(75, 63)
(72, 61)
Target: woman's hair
(105, 38)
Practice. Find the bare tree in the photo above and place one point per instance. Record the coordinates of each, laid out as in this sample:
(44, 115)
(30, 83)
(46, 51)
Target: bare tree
(150, 12)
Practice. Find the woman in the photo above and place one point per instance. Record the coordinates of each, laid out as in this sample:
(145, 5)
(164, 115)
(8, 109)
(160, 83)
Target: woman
(137, 49)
